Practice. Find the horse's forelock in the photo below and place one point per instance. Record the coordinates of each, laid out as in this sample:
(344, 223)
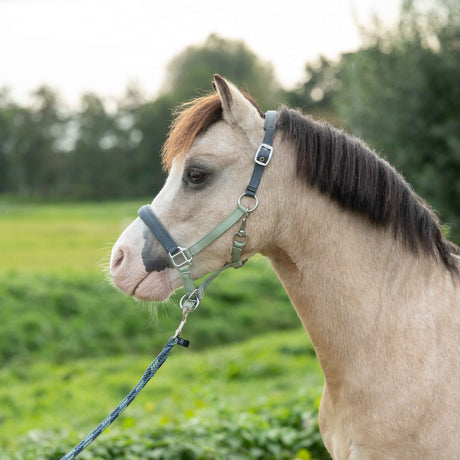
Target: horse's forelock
(191, 119)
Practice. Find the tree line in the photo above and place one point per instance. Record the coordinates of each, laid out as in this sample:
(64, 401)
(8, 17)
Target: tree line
(400, 92)
(106, 150)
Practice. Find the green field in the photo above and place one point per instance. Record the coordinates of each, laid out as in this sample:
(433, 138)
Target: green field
(71, 347)
(270, 383)
(65, 236)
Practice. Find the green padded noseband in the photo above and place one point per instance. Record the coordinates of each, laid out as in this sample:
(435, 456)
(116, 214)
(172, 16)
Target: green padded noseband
(182, 257)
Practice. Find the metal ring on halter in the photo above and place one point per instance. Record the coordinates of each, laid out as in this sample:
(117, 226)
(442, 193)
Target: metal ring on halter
(254, 197)
(189, 297)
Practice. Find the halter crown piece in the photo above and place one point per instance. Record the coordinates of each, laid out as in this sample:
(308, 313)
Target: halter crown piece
(182, 258)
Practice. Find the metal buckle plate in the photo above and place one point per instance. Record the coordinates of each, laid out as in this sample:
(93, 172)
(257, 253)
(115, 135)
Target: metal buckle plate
(180, 252)
(262, 159)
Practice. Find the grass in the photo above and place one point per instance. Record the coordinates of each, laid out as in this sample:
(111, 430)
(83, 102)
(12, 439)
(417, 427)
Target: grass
(72, 346)
(68, 316)
(60, 237)
(276, 373)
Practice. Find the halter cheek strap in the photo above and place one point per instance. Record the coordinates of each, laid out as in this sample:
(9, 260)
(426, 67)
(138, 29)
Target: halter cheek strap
(264, 153)
(182, 257)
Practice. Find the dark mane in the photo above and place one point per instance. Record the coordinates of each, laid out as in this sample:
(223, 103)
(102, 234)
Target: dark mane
(357, 179)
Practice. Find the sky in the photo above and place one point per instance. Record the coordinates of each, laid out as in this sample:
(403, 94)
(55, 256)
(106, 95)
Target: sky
(102, 45)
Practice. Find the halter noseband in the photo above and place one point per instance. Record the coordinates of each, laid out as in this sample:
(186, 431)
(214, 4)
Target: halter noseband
(182, 257)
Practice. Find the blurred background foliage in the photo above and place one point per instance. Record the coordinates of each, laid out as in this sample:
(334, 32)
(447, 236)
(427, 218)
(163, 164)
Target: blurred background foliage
(400, 92)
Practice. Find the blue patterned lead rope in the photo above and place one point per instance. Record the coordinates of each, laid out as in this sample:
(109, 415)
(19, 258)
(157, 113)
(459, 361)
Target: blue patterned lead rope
(148, 374)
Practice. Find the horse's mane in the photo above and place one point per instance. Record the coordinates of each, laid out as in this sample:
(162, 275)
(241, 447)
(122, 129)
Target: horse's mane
(340, 166)
(359, 180)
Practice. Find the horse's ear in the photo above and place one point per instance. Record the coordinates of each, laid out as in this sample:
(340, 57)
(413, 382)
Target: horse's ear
(238, 110)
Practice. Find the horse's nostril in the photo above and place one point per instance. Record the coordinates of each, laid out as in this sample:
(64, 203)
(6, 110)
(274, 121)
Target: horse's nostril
(118, 259)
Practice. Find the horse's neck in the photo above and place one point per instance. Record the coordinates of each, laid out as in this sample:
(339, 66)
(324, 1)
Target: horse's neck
(349, 281)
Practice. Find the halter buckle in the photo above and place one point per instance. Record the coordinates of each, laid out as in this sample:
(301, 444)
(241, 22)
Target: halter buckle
(180, 252)
(264, 154)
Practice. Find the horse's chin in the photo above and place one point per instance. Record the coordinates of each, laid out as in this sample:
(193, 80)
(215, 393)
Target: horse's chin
(155, 287)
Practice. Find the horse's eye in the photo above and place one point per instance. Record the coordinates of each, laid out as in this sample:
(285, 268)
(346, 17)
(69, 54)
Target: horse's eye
(196, 175)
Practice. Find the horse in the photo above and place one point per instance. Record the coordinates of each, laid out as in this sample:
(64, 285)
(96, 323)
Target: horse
(361, 256)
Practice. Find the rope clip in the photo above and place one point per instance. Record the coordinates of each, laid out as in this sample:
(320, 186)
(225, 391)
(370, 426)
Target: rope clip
(181, 326)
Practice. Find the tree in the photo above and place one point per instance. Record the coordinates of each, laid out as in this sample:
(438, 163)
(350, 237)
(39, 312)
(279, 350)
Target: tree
(317, 92)
(401, 92)
(100, 159)
(28, 142)
(189, 74)
(6, 126)
(151, 121)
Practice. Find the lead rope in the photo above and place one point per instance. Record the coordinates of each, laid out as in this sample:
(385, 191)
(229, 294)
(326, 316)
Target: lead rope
(148, 374)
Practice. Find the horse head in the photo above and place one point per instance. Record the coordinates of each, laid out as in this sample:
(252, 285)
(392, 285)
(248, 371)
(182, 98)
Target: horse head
(209, 156)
